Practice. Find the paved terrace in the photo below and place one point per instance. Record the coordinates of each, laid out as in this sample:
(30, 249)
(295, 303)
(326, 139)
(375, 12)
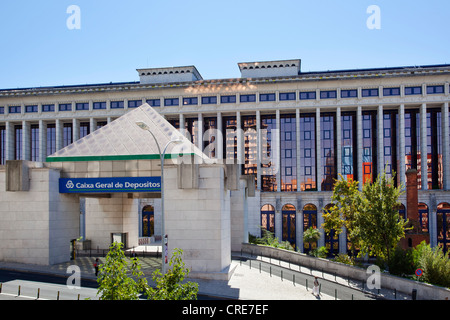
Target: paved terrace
(254, 278)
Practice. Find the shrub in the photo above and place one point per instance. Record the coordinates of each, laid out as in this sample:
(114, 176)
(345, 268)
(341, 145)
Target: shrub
(434, 263)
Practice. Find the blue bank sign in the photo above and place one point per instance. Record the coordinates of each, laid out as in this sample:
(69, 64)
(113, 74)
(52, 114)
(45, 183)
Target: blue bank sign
(110, 185)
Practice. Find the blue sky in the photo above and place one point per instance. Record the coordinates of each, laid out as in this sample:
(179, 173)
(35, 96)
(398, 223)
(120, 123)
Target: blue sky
(117, 37)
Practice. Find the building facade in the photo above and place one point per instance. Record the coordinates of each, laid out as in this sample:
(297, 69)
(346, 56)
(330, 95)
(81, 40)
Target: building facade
(293, 131)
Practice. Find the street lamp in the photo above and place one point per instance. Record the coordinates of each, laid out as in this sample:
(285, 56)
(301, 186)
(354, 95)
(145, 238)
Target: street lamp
(174, 139)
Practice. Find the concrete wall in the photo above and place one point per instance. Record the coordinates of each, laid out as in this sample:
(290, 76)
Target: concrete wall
(37, 225)
(198, 222)
(117, 214)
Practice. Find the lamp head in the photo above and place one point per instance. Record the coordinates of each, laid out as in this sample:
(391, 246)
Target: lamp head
(142, 125)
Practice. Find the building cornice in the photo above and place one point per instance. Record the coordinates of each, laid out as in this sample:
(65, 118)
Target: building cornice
(340, 75)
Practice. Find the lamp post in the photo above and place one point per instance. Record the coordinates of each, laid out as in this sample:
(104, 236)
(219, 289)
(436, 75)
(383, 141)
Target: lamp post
(174, 139)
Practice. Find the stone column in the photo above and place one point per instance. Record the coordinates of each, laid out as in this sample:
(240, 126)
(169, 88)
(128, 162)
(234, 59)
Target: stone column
(298, 135)
(259, 150)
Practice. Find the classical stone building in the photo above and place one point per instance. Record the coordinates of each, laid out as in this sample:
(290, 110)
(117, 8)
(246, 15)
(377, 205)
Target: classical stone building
(291, 132)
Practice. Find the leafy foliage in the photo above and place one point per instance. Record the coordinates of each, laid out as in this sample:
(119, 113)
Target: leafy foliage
(434, 263)
(268, 239)
(370, 216)
(169, 286)
(379, 221)
(114, 283)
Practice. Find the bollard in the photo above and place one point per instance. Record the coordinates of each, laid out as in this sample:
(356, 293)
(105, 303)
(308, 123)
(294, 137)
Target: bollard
(57, 297)
(281, 275)
(18, 293)
(270, 270)
(1, 284)
(395, 294)
(293, 279)
(38, 293)
(260, 267)
(306, 284)
(335, 294)
(414, 294)
(78, 296)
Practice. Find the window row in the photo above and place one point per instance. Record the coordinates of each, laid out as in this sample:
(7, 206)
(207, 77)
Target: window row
(243, 98)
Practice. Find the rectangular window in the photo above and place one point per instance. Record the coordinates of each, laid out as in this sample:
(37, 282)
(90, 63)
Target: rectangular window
(65, 107)
(190, 101)
(268, 172)
(154, 102)
(67, 134)
(228, 99)
(117, 105)
(2, 145)
(370, 92)
(51, 139)
(307, 175)
(171, 102)
(134, 103)
(287, 96)
(308, 95)
(99, 105)
(14, 109)
(34, 143)
(349, 93)
(2, 110)
(48, 108)
(82, 106)
(209, 100)
(31, 109)
(267, 97)
(247, 98)
(413, 90)
(18, 142)
(391, 92)
(435, 89)
(330, 94)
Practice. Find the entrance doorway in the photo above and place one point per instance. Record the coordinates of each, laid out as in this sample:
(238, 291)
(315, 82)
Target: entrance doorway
(148, 221)
(289, 213)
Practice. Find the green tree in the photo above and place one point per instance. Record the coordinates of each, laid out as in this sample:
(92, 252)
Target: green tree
(346, 206)
(169, 286)
(113, 279)
(310, 236)
(379, 222)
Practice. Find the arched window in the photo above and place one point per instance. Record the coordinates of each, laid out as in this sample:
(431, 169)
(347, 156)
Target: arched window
(423, 216)
(288, 215)
(402, 211)
(309, 220)
(268, 218)
(148, 221)
(443, 226)
(331, 239)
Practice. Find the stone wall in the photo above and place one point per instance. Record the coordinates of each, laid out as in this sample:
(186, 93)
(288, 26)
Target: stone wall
(37, 225)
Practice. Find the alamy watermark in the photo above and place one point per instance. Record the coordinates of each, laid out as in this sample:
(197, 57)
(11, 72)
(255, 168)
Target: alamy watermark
(374, 20)
(73, 22)
(74, 280)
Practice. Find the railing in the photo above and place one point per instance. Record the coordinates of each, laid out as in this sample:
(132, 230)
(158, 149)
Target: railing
(129, 253)
(391, 286)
